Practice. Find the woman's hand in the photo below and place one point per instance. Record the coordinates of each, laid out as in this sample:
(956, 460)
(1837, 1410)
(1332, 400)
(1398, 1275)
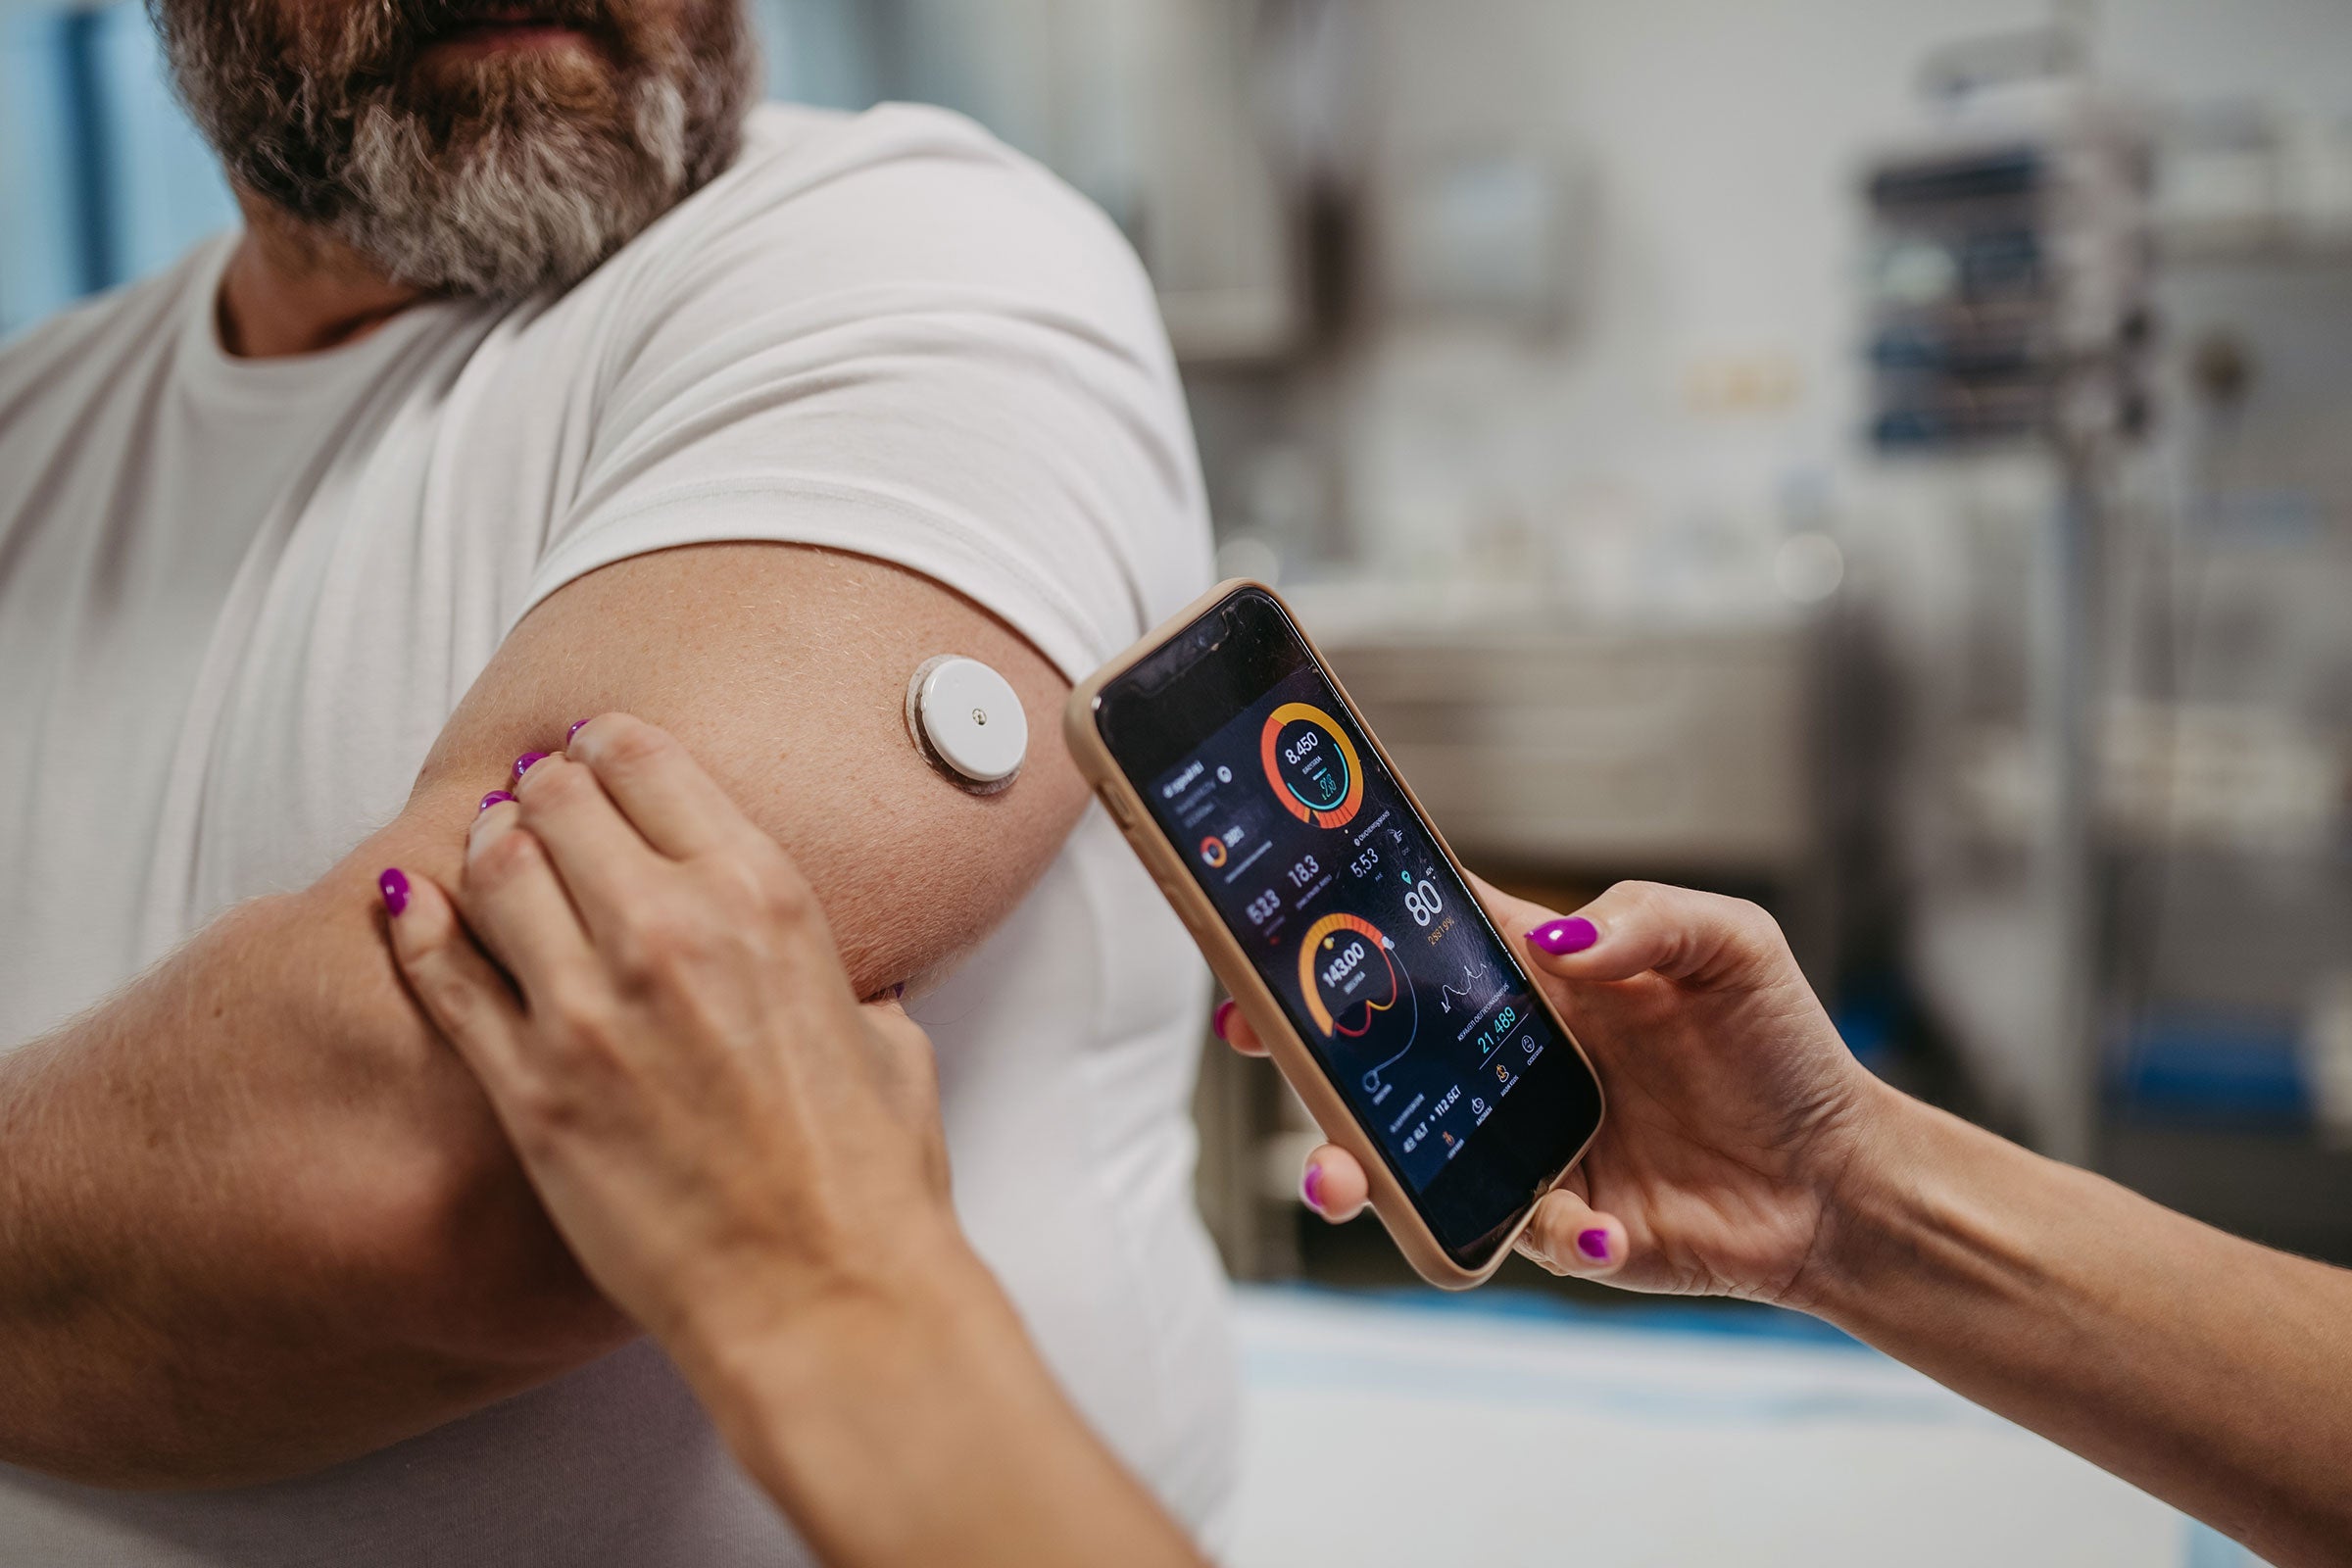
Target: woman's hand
(715, 1124)
(1736, 1113)
(749, 1163)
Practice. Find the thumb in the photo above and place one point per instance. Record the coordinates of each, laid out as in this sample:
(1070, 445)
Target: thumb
(903, 1040)
(1569, 1236)
(1700, 939)
(907, 1068)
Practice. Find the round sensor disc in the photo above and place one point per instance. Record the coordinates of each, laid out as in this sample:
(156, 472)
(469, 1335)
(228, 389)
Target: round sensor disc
(968, 720)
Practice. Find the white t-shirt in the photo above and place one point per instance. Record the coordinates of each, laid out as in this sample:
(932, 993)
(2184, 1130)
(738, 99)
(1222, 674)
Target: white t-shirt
(239, 598)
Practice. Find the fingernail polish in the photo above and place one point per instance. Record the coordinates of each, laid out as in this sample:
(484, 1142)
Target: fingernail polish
(523, 763)
(494, 798)
(1593, 1244)
(1560, 938)
(393, 884)
(574, 730)
(1218, 1019)
(1310, 1188)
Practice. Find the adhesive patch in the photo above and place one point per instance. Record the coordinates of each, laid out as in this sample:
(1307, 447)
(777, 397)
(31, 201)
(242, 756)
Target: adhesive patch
(967, 720)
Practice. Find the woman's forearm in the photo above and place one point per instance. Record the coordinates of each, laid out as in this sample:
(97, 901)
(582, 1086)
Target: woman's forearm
(2207, 1370)
(749, 1163)
(915, 1424)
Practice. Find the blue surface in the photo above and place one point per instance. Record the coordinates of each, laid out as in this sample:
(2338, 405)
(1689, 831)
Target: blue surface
(1774, 1381)
(1743, 1320)
(2202, 1546)
(2212, 1065)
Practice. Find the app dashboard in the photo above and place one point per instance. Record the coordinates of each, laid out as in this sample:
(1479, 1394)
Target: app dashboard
(1321, 868)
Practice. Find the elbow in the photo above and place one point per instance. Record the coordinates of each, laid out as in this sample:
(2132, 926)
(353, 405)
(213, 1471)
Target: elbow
(386, 1295)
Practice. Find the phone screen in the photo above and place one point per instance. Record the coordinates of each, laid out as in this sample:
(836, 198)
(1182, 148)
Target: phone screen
(1265, 781)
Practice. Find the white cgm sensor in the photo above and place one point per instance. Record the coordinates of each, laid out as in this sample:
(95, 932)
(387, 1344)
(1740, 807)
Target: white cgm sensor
(967, 719)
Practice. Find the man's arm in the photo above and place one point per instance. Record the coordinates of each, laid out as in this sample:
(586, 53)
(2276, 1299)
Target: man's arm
(255, 1217)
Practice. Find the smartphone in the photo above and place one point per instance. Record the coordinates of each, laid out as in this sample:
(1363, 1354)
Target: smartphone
(1342, 925)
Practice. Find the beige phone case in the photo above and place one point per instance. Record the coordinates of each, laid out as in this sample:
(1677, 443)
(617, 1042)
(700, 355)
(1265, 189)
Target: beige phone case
(1255, 998)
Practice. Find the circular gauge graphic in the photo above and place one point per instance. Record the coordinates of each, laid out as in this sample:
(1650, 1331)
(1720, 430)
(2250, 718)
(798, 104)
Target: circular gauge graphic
(1212, 851)
(1312, 765)
(1357, 995)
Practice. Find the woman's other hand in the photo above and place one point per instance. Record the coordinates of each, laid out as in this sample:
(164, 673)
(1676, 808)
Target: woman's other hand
(1736, 1113)
(715, 1124)
(749, 1161)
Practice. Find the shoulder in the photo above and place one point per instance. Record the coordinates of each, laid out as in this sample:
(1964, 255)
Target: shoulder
(902, 208)
(891, 334)
(90, 343)
(923, 185)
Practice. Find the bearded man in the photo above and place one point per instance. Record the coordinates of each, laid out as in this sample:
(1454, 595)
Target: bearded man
(546, 378)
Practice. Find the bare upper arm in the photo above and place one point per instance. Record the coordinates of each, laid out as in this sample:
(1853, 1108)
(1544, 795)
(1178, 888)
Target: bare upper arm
(783, 669)
(353, 1224)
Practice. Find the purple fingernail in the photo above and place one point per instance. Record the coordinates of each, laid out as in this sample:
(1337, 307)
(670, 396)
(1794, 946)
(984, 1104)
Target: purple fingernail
(394, 886)
(1560, 938)
(1310, 1188)
(494, 798)
(574, 730)
(523, 763)
(1593, 1244)
(1217, 1019)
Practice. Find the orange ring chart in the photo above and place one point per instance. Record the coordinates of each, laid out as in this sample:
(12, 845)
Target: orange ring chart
(1316, 775)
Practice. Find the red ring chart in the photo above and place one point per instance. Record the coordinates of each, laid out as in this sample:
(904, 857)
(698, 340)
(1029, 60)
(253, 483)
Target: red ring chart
(1357, 995)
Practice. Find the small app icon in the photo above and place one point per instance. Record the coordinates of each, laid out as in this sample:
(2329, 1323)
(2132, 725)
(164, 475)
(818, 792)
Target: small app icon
(1212, 851)
(1224, 774)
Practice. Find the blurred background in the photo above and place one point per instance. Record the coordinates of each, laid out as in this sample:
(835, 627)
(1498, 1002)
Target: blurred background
(1889, 458)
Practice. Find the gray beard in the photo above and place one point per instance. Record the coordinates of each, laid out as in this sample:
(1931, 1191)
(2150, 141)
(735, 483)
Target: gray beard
(518, 211)
(521, 194)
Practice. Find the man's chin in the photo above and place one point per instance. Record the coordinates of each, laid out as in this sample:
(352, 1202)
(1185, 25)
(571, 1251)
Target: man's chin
(497, 154)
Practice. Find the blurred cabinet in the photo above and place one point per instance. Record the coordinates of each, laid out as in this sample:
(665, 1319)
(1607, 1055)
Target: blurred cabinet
(1681, 753)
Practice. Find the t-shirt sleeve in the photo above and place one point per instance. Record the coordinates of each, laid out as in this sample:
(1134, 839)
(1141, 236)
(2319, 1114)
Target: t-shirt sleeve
(912, 345)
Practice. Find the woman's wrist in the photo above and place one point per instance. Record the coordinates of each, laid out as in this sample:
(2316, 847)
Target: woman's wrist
(751, 1308)
(1867, 1200)
(1906, 1210)
(776, 1358)
(906, 1417)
